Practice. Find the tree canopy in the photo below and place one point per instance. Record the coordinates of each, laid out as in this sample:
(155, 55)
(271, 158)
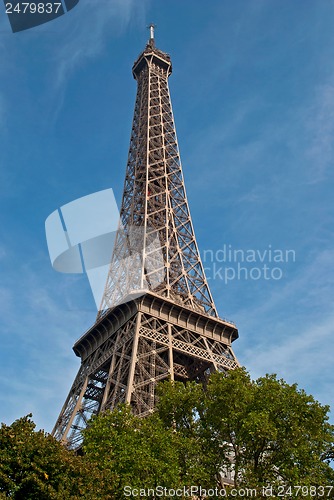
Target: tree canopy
(256, 433)
(33, 465)
(278, 433)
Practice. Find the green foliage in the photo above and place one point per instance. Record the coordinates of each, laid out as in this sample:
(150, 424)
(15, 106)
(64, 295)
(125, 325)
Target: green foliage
(130, 450)
(33, 465)
(275, 433)
(180, 408)
(165, 449)
(278, 433)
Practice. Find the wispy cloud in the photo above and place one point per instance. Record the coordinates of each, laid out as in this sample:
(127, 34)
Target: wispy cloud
(3, 252)
(2, 111)
(320, 127)
(298, 346)
(304, 356)
(37, 332)
(90, 29)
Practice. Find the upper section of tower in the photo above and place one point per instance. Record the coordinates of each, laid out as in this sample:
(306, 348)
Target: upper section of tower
(152, 57)
(155, 249)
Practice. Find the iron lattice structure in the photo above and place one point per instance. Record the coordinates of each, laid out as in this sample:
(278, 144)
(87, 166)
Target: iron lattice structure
(167, 327)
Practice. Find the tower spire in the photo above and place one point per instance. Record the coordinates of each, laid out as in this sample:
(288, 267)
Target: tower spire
(151, 27)
(151, 41)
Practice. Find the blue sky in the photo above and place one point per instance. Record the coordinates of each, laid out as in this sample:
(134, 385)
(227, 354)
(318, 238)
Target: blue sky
(253, 97)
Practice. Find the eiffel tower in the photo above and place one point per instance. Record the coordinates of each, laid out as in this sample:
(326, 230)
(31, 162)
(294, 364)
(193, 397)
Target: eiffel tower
(157, 320)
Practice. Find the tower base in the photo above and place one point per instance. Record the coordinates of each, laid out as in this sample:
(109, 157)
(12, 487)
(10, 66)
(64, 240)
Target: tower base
(133, 347)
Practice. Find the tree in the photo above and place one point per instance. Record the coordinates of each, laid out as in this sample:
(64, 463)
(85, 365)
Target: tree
(131, 451)
(279, 434)
(180, 407)
(33, 465)
(164, 449)
(265, 432)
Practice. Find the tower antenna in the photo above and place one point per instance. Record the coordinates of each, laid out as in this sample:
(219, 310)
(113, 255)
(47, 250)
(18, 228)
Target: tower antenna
(151, 27)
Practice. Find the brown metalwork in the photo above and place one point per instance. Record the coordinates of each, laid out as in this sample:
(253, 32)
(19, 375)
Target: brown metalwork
(172, 331)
